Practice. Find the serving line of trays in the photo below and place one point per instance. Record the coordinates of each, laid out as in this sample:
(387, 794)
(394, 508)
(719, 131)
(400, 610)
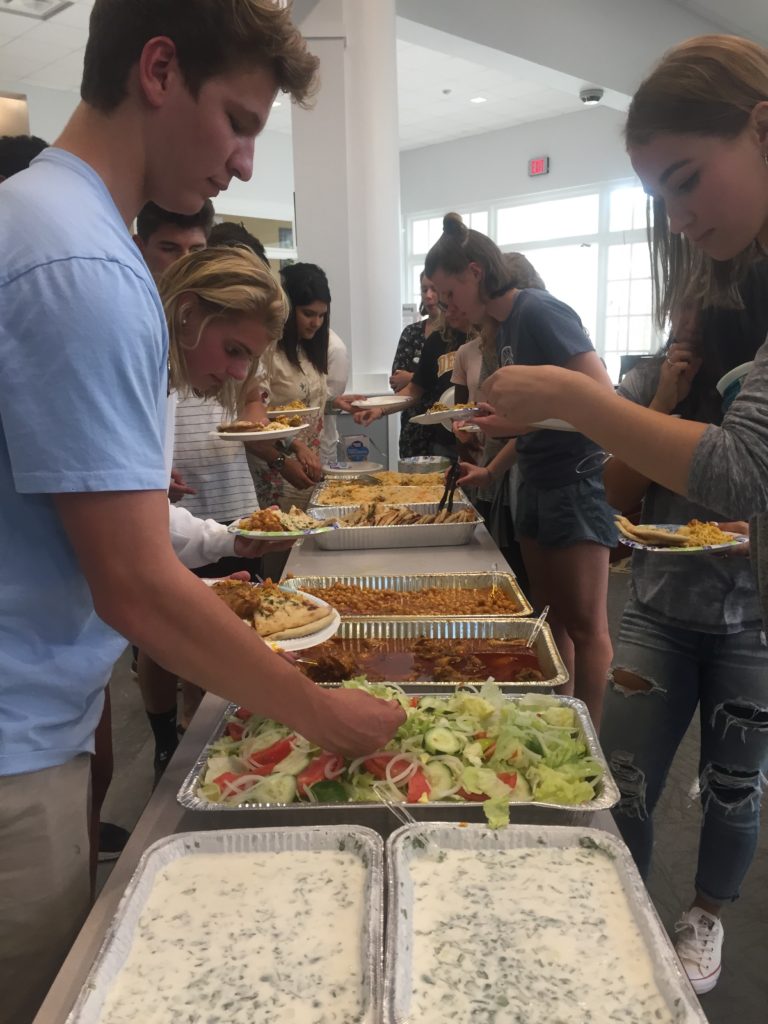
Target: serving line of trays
(505, 582)
(606, 796)
(379, 963)
(419, 535)
(369, 478)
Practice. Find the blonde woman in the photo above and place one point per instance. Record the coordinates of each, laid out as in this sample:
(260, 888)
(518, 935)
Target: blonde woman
(223, 308)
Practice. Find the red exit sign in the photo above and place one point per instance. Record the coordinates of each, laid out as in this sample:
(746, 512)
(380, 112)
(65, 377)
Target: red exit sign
(539, 165)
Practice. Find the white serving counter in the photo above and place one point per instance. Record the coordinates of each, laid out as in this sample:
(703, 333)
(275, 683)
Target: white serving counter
(163, 816)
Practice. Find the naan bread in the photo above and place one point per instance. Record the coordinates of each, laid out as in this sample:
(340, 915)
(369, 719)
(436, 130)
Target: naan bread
(275, 614)
(652, 535)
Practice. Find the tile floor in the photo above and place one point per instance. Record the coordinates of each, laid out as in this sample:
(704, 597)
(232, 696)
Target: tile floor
(742, 993)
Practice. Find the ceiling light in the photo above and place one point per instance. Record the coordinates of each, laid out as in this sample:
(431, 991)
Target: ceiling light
(277, 103)
(479, 99)
(40, 9)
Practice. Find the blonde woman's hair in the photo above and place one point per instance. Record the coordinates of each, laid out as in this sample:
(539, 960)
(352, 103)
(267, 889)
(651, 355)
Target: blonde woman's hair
(707, 86)
(228, 282)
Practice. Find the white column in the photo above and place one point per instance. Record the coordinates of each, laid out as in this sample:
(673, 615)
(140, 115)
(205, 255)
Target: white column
(347, 178)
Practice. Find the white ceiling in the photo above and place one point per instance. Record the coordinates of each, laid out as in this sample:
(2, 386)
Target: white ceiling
(50, 54)
(744, 17)
(434, 88)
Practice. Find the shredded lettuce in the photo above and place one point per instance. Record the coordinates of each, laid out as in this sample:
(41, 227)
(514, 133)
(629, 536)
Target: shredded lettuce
(534, 741)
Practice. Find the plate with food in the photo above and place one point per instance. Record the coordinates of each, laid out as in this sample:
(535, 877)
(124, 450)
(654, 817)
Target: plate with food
(275, 430)
(689, 538)
(554, 424)
(440, 413)
(296, 408)
(289, 619)
(274, 524)
(384, 401)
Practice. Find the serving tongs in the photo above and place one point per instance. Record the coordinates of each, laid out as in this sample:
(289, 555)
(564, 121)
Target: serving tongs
(404, 816)
(451, 483)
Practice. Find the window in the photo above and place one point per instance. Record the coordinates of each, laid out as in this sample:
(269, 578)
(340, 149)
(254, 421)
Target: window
(425, 231)
(589, 246)
(554, 218)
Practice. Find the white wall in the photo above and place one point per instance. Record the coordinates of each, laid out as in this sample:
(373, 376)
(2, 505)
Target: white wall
(268, 194)
(584, 148)
(49, 109)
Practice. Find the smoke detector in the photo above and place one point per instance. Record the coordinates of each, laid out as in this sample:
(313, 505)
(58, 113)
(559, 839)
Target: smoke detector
(591, 95)
(39, 9)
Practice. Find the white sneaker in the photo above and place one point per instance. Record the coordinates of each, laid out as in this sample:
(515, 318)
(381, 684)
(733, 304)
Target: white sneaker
(699, 944)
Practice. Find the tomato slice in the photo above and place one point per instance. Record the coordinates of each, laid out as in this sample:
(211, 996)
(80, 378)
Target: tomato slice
(243, 714)
(377, 765)
(316, 771)
(475, 798)
(418, 786)
(223, 780)
(235, 730)
(510, 778)
(270, 756)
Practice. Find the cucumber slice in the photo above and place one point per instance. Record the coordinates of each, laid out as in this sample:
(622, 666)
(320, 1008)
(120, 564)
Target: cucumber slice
(442, 741)
(439, 778)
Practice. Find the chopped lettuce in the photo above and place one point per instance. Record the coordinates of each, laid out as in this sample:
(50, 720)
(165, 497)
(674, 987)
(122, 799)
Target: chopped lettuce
(529, 749)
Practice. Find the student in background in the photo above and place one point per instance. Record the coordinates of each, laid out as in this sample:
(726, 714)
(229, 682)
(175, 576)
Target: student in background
(413, 439)
(17, 152)
(562, 520)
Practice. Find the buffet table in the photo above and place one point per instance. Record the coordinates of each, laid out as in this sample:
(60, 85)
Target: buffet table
(163, 816)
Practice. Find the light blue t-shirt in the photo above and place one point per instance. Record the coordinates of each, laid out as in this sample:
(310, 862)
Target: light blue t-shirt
(83, 381)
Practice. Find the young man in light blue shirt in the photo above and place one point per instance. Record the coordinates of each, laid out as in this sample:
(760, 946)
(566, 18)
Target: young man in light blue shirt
(174, 94)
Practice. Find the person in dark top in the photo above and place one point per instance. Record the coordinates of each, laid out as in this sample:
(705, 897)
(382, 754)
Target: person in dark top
(431, 378)
(562, 520)
(18, 151)
(414, 438)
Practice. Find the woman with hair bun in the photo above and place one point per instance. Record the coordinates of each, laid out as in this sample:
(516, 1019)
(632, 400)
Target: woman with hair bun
(562, 520)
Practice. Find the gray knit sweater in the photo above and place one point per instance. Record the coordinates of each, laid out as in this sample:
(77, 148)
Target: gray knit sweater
(730, 466)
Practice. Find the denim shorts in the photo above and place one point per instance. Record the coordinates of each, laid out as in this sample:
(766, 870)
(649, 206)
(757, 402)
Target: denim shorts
(561, 516)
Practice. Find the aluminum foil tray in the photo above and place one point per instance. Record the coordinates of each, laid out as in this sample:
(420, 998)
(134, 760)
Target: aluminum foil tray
(362, 478)
(410, 627)
(607, 792)
(407, 842)
(117, 943)
(366, 538)
(505, 581)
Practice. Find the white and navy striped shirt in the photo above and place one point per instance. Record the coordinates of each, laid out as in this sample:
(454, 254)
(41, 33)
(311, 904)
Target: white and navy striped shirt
(218, 470)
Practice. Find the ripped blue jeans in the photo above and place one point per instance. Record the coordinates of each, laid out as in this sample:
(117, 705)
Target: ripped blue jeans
(660, 674)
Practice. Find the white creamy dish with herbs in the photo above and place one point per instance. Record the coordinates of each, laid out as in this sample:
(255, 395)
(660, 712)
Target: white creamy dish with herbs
(528, 936)
(239, 938)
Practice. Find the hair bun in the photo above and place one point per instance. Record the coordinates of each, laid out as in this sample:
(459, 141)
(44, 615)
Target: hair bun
(454, 226)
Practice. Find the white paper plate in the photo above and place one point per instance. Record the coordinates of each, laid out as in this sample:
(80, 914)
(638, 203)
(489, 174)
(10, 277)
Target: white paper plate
(260, 435)
(274, 413)
(300, 643)
(277, 535)
(739, 539)
(553, 424)
(388, 401)
(429, 418)
(345, 468)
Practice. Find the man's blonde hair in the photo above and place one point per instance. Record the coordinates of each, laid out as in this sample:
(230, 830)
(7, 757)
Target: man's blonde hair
(228, 282)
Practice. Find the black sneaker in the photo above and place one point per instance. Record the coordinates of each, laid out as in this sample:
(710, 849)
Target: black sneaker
(161, 762)
(112, 840)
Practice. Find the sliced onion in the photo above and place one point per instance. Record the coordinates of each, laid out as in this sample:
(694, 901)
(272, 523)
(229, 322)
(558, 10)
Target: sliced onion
(359, 760)
(332, 773)
(403, 775)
